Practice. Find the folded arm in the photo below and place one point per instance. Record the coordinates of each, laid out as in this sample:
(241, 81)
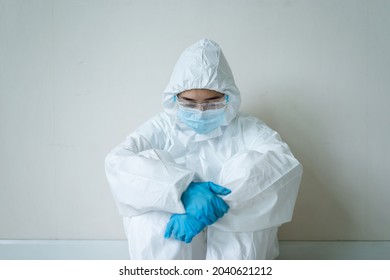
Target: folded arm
(143, 177)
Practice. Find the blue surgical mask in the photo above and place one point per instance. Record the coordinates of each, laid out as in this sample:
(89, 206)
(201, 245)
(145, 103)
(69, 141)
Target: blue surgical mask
(202, 122)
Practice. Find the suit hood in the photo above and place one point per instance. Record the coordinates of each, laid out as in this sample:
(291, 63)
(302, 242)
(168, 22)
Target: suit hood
(203, 66)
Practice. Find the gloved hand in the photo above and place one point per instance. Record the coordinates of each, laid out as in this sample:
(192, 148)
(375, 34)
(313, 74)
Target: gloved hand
(183, 227)
(202, 202)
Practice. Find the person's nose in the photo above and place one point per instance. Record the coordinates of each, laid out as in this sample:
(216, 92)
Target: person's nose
(201, 107)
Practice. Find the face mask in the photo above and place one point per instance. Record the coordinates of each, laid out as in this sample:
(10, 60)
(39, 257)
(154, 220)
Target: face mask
(202, 122)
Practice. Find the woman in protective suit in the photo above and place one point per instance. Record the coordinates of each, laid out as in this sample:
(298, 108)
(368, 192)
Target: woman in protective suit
(203, 180)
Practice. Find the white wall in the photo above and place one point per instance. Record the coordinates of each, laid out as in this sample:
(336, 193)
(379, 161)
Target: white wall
(77, 76)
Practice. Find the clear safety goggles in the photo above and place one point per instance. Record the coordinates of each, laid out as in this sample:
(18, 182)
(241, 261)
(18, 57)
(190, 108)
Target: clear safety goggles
(212, 105)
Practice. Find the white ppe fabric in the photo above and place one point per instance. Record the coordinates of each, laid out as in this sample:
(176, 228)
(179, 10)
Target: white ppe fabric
(149, 171)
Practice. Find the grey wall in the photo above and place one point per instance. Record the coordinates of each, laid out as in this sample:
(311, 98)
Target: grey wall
(77, 76)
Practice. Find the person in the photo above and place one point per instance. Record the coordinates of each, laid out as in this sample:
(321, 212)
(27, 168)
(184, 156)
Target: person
(201, 179)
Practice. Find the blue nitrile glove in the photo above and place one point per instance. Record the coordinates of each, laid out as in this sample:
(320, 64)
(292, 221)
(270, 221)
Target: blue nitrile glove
(202, 202)
(183, 227)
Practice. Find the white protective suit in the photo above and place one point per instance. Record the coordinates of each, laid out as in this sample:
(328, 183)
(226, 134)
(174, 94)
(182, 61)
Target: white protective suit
(149, 171)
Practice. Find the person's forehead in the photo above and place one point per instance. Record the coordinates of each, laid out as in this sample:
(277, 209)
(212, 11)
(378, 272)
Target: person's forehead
(201, 94)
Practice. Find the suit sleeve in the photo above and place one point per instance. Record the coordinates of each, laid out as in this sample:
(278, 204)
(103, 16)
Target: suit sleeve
(264, 179)
(143, 176)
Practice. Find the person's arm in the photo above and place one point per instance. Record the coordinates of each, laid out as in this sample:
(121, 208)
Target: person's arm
(264, 180)
(142, 175)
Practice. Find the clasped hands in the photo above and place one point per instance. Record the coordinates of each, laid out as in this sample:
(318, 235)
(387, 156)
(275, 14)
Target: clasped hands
(203, 207)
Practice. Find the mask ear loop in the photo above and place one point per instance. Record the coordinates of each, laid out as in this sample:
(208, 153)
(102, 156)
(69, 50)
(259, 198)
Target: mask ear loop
(175, 101)
(176, 118)
(227, 100)
(226, 106)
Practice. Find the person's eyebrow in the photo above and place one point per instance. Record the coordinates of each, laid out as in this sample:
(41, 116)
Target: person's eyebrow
(214, 98)
(186, 98)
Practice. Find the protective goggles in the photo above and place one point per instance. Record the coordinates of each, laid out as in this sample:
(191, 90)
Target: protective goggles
(212, 105)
